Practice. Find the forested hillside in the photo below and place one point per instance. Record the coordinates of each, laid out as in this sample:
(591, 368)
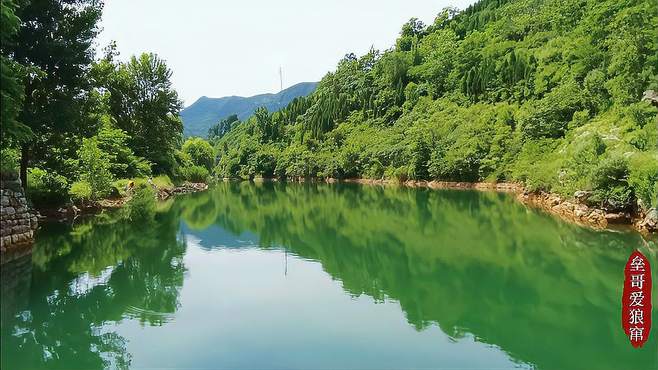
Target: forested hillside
(206, 112)
(544, 92)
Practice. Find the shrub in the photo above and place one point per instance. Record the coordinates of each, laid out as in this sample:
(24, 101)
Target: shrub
(610, 186)
(141, 207)
(264, 161)
(375, 170)
(200, 152)
(194, 173)
(644, 179)
(122, 160)
(163, 182)
(80, 191)
(119, 187)
(46, 188)
(400, 174)
(95, 168)
(9, 160)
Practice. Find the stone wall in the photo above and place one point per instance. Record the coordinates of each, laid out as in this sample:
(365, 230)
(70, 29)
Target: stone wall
(17, 220)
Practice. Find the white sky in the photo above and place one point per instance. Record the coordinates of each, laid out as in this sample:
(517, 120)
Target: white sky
(219, 48)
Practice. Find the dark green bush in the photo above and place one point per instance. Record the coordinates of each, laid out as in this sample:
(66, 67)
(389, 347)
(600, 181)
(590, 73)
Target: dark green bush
(9, 160)
(610, 186)
(194, 173)
(46, 188)
(80, 191)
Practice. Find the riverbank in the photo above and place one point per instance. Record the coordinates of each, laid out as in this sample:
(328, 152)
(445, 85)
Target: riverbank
(71, 211)
(571, 210)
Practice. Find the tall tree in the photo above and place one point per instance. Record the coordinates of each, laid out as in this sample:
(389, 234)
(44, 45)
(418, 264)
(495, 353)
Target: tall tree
(54, 43)
(11, 87)
(145, 105)
(225, 125)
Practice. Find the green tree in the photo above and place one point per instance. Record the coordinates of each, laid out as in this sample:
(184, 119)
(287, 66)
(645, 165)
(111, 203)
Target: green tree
(200, 152)
(223, 127)
(11, 86)
(123, 162)
(145, 105)
(95, 168)
(55, 43)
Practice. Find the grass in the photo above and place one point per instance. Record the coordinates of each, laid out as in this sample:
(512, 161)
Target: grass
(161, 182)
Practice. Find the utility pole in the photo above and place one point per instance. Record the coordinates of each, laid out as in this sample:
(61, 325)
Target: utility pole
(280, 78)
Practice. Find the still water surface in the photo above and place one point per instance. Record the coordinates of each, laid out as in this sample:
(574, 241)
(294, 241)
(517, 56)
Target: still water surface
(313, 276)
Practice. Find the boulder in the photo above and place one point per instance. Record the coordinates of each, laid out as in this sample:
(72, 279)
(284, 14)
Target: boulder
(581, 196)
(651, 96)
(617, 218)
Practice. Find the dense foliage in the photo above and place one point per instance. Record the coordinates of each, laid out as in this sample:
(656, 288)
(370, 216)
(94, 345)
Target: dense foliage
(75, 125)
(542, 92)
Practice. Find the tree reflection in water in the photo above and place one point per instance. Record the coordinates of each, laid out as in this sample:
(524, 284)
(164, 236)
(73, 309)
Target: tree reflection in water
(86, 278)
(545, 291)
(479, 264)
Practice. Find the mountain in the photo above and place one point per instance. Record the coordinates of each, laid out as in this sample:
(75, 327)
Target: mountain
(205, 112)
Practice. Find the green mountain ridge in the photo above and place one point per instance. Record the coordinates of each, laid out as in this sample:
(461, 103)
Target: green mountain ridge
(205, 112)
(547, 93)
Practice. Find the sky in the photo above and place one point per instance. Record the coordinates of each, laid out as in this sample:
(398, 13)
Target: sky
(220, 48)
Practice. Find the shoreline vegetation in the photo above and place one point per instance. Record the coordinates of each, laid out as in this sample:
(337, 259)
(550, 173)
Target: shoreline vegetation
(560, 97)
(570, 210)
(159, 191)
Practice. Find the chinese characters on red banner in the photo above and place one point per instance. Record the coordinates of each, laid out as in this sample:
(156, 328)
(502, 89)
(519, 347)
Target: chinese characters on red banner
(636, 299)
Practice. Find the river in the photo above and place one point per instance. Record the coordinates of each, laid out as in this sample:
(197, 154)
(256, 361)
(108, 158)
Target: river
(317, 276)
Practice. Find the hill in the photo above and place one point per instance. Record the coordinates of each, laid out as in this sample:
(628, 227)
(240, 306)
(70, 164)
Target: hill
(205, 112)
(547, 93)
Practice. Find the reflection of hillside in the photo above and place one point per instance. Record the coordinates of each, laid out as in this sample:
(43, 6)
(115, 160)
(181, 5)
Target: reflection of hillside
(96, 273)
(545, 291)
(216, 237)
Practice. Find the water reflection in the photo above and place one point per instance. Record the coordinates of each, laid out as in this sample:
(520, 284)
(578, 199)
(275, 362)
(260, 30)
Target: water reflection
(477, 265)
(99, 272)
(545, 291)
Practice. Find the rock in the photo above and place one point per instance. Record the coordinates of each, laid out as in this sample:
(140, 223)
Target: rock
(581, 211)
(581, 195)
(650, 221)
(554, 201)
(616, 218)
(597, 217)
(651, 96)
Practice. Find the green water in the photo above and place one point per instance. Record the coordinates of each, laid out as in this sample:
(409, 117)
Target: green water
(274, 276)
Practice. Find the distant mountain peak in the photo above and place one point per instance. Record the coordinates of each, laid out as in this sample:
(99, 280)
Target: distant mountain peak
(205, 111)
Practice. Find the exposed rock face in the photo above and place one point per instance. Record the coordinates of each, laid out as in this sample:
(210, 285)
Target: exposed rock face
(187, 187)
(650, 221)
(17, 220)
(651, 96)
(574, 211)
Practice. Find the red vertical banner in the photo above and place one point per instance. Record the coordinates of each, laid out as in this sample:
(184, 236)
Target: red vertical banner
(636, 299)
